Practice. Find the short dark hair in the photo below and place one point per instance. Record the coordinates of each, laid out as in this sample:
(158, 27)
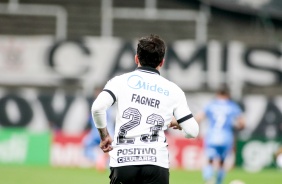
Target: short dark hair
(150, 50)
(223, 90)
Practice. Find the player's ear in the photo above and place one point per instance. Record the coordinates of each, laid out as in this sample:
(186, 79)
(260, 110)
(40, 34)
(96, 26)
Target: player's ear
(161, 64)
(136, 59)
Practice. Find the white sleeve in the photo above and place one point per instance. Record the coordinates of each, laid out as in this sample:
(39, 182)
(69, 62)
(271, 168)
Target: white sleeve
(181, 109)
(184, 117)
(99, 108)
(190, 128)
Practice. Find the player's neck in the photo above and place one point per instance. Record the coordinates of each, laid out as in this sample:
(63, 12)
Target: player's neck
(158, 67)
(140, 66)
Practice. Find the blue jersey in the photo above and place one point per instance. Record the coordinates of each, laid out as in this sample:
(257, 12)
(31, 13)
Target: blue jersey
(221, 115)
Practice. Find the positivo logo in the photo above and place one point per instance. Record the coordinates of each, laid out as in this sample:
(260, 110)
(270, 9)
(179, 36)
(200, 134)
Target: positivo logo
(137, 82)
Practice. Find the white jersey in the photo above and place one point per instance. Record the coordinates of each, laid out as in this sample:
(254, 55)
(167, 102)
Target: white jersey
(146, 103)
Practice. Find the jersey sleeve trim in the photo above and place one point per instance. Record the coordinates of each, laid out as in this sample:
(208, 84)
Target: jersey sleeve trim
(184, 118)
(112, 94)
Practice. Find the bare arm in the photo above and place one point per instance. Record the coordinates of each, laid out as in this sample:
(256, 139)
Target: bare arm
(174, 124)
(189, 127)
(200, 117)
(99, 107)
(240, 123)
(106, 140)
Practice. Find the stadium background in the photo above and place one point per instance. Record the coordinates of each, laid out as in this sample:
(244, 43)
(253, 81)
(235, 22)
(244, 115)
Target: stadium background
(53, 53)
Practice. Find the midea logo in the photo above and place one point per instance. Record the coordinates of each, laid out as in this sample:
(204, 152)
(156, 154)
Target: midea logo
(137, 82)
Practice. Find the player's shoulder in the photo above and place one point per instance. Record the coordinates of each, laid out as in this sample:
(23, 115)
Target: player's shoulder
(234, 104)
(120, 77)
(211, 103)
(172, 86)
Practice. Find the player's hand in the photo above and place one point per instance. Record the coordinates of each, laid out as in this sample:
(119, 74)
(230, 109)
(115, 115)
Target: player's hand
(106, 144)
(174, 124)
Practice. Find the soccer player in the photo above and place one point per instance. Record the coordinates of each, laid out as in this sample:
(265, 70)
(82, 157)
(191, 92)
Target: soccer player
(146, 103)
(224, 116)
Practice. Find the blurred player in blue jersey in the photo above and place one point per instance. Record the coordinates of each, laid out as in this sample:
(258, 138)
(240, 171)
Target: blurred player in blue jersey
(91, 141)
(224, 116)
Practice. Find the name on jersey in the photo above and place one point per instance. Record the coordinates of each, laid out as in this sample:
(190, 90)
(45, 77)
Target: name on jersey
(145, 100)
(137, 82)
(136, 155)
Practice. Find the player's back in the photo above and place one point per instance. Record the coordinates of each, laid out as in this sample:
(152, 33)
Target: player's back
(145, 105)
(221, 115)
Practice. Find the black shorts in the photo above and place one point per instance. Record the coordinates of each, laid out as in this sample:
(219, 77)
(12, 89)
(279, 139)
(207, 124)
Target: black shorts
(139, 174)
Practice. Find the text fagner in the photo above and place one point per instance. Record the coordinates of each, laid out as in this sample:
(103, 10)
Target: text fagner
(145, 100)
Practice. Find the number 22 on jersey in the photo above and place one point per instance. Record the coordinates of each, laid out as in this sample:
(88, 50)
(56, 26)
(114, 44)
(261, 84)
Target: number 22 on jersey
(135, 118)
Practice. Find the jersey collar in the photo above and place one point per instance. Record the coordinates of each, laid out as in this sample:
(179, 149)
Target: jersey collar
(148, 69)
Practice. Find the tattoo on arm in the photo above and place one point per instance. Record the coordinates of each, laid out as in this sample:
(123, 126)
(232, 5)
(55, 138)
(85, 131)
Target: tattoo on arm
(103, 133)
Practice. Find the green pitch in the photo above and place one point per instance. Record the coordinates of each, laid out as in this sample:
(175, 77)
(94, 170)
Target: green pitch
(12, 174)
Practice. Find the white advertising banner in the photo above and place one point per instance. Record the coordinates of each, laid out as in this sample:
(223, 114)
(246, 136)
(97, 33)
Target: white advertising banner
(39, 60)
(30, 64)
